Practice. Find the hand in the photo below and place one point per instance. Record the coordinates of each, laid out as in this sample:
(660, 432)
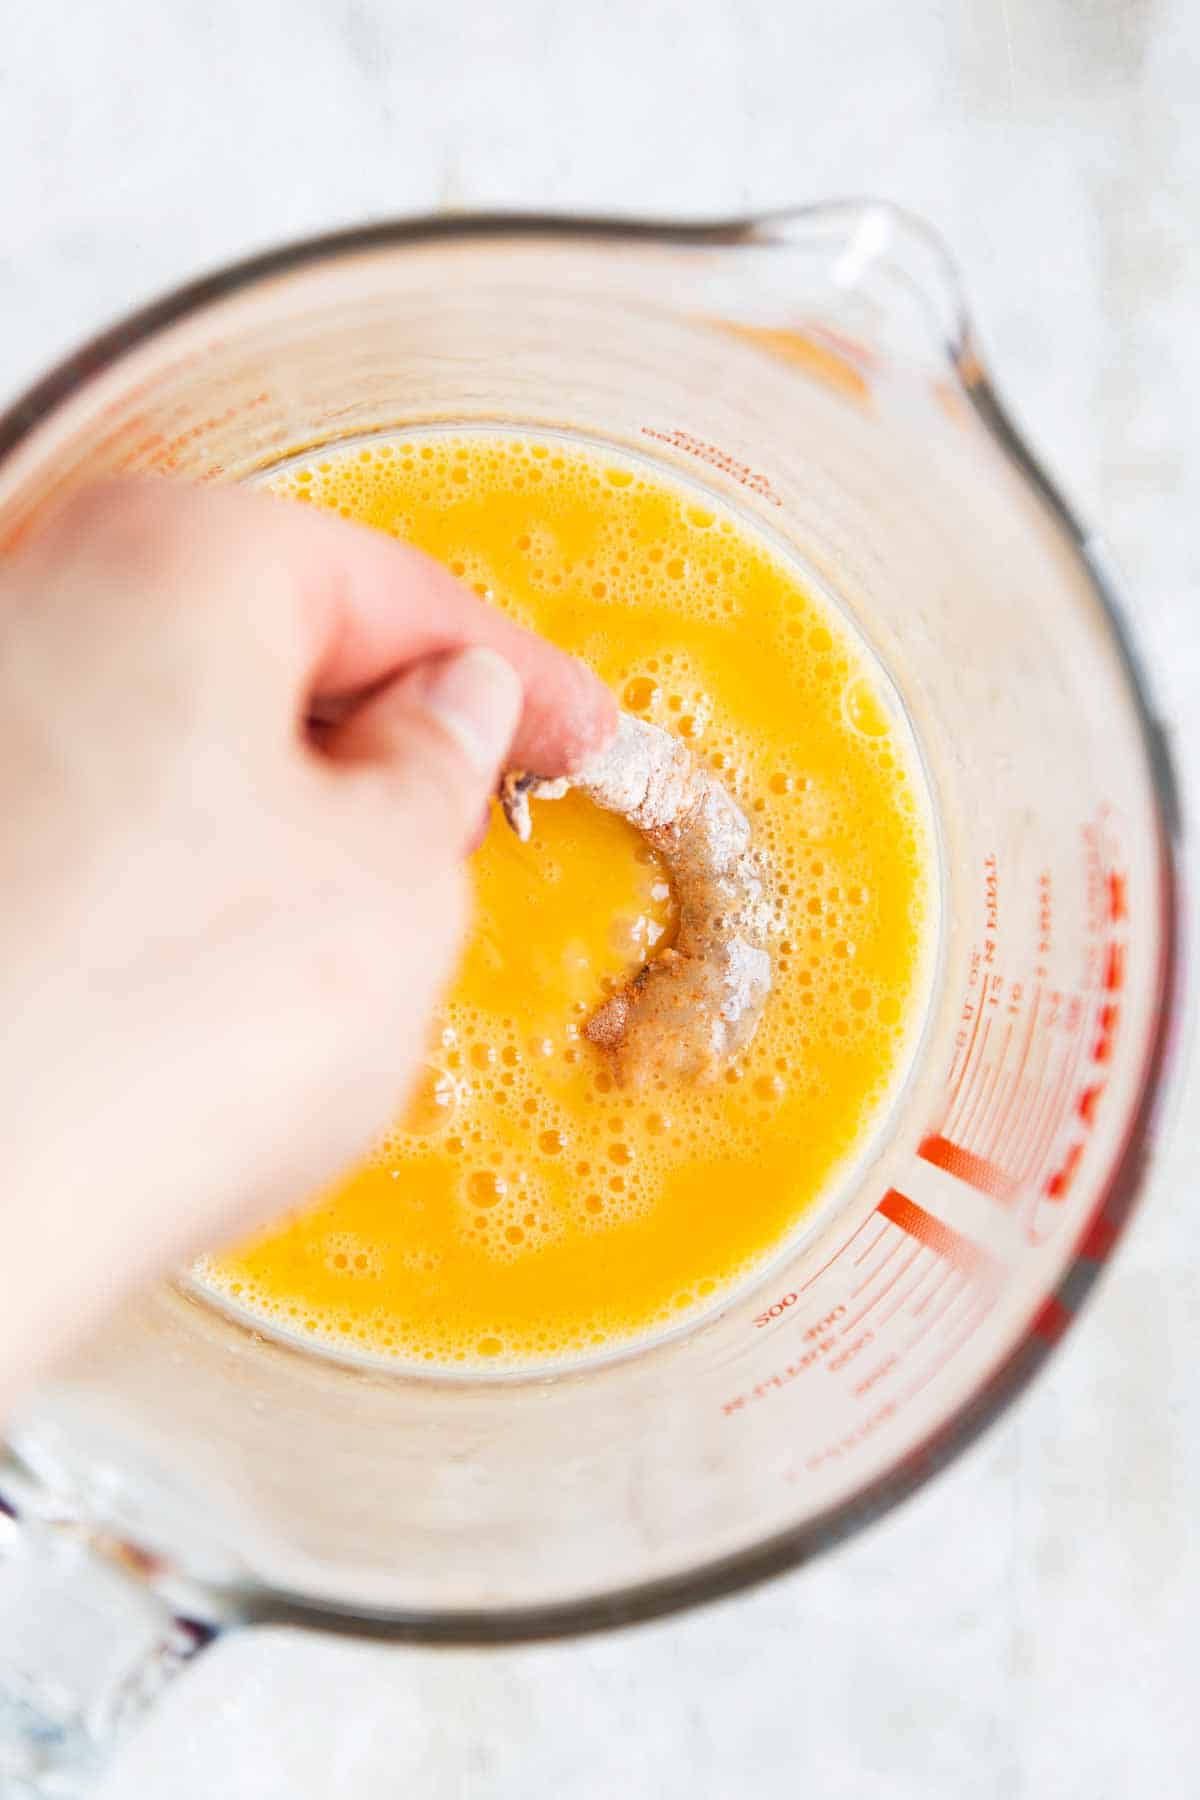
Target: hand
(245, 749)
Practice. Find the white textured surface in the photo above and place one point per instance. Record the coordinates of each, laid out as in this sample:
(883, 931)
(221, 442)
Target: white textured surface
(1022, 1630)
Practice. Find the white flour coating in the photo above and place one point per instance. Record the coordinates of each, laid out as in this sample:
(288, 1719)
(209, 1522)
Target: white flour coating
(695, 1005)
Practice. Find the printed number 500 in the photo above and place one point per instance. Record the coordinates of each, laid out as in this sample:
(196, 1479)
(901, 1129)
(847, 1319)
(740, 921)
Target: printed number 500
(773, 1312)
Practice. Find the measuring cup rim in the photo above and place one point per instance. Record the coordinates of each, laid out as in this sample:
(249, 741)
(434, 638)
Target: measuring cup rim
(786, 1550)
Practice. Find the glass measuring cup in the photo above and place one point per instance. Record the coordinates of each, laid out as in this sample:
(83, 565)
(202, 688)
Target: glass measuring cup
(816, 371)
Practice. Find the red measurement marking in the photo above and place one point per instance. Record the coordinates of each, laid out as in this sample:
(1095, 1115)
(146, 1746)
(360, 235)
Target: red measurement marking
(998, 1101)
(1027, 1148)
(976, 1171)
(1106, 1032)
(879, 1267)
(976, 1085)
(1114, 968)
(1032, 1102)
(935, 1267)
(1001, 1126)
(1118, 897)
(876, 1376)
(967, 1325)
(817, 1274)
(1088, 1102)
(884, 1291)
(863, 1254)
(923, 1256)
(961, 1288)
(1052, 1116)
(903, 1299)
(975, 1024)
(1060, 1181)
(720, 459)
(1027, 1046)
(949, 1273)
(1012, 1093)
(976, 1124)
(929, 1231)
(848, 1355)
(854, 1438)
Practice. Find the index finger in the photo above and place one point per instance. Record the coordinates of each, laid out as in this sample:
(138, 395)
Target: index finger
(358, 607)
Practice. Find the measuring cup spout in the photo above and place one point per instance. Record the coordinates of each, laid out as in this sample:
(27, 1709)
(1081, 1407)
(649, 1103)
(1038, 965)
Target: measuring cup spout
(891, 270)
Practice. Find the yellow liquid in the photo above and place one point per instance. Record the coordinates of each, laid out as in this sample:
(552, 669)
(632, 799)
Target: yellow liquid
(528, 1211)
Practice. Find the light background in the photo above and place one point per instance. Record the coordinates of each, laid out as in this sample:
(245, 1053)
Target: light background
(1026, 1628)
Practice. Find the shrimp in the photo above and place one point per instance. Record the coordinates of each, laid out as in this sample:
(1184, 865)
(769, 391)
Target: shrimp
(694, 1006)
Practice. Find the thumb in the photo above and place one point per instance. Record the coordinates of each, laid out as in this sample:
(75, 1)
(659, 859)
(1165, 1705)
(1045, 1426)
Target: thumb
(439, 735)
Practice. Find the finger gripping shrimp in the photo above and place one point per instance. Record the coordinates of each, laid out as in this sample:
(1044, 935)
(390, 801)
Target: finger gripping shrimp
(693, 1007)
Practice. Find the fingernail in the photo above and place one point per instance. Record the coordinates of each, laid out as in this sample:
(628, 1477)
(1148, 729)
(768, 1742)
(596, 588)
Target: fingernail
(477, 697)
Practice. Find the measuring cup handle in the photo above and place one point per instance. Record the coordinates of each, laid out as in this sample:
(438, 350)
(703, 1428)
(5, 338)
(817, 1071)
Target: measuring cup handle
(85, 1649)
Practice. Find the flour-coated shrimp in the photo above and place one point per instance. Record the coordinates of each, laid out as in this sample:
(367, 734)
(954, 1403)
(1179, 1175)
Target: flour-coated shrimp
(696, 1004)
